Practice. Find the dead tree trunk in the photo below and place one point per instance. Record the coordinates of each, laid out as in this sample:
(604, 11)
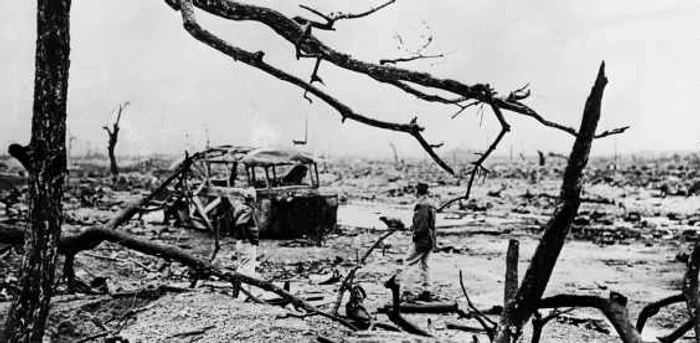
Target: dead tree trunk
(690, 289)
(542, 264)
(542, 159)
(45, 160)
(511, 281)
(112, 138)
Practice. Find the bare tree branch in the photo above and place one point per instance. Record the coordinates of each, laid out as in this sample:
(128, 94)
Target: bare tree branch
(464, 107)
(413, 55)
(478, 165)
(23, 154)
(485, 322)
(678, 333)
(518, 107)
(347, 281)
(653, 308)
(256, 60)
(614, 308)
(297, 31)
(410, 58)
(519, 94)
(298, 35)
(616, 131)
(422, 95)
(333, 17)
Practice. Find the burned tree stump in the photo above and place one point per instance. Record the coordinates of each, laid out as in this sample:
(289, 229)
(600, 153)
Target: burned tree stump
(112, 138)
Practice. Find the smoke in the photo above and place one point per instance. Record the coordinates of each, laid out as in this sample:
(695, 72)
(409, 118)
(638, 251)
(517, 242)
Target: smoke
(262, 133)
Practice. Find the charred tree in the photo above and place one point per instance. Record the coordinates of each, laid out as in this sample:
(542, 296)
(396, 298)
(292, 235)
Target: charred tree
(112, 138)
(542, 159)
(45, 160)
(537, 276)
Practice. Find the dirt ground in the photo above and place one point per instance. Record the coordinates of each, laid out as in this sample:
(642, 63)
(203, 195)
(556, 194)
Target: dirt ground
(634, 229)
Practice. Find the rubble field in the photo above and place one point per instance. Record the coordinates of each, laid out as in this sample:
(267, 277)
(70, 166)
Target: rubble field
(638, 219)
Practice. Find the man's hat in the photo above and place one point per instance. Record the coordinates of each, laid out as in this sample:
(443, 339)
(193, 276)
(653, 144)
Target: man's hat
(421, 186)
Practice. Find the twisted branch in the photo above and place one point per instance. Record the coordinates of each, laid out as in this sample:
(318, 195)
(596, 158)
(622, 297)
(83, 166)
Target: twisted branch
(478, 165)
(298, 32)
(347, 281)
(255, 59)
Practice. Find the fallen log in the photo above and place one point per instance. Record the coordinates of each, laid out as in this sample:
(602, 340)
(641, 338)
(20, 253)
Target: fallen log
(284, 302)
(91, 238)
(465, 328)
(614, 308)
(423, 307)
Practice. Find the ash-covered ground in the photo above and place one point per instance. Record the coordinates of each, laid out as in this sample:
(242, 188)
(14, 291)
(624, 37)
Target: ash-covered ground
(637, 222)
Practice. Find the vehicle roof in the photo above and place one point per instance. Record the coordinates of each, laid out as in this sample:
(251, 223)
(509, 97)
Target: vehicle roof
(251, 156)
(275, 156)
(221, 154)
(226, 153)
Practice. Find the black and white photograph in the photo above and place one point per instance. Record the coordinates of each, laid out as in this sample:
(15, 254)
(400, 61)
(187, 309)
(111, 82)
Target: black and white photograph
(367, 171)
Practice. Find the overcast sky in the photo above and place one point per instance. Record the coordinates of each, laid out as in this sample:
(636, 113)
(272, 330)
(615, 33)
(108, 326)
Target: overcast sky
(182, 91)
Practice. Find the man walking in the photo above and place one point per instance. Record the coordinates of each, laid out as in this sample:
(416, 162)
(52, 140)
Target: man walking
(423, 243)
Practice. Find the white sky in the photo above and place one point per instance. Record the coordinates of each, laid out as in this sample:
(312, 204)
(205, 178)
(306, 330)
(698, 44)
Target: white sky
(179, 89)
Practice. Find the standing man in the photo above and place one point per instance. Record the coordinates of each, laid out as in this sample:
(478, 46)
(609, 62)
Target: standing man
(424, 242)
(247, 235)
(236, 218)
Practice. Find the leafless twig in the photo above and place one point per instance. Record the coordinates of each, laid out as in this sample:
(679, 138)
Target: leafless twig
(478, 165)
(333, 17)
(485, 322)
(616, 131)
(344, 286)
(410, 58)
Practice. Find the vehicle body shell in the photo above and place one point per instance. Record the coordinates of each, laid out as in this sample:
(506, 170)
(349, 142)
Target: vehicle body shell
(284, 185)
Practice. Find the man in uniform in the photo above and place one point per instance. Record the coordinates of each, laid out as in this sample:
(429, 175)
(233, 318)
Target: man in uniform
(423, 243)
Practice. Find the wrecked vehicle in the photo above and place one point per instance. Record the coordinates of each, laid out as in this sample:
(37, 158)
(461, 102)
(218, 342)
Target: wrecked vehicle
(284, 185)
